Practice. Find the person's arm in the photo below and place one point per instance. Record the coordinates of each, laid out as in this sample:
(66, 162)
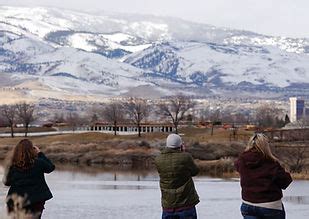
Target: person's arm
(193, 168)
(45, 163)
(7, 177)
(283, 179)
(236, 165)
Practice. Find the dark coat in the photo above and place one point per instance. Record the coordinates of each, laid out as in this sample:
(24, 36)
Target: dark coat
(176, 169)
(261, 179)
(30, 183)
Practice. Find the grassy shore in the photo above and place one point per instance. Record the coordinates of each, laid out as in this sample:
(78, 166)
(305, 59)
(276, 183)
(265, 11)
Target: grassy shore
(100, 148)
(214, 154)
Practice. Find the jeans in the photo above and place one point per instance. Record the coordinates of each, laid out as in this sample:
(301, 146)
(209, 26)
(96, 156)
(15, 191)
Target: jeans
(185, 214)
(254, 212)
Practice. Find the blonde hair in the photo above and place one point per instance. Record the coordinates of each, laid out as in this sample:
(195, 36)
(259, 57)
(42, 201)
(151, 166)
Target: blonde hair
(260, 142)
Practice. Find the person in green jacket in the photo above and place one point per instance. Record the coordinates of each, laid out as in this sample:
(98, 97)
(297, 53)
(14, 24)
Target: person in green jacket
(176, 168)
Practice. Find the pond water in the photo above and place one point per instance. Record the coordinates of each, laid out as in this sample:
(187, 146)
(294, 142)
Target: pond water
(119, 194)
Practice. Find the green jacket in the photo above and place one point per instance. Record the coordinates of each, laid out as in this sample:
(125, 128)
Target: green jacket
(176, 169)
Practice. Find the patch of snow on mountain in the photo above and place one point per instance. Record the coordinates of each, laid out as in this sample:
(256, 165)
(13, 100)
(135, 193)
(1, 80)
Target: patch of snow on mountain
(84, 65)
(286, 44)
(81, 41)
(92, 42)
(117, 37)
(148, 29)
(28, 46)
(31, 19)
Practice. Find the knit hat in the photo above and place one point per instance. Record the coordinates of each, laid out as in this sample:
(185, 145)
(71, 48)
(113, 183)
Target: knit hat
(173, 141)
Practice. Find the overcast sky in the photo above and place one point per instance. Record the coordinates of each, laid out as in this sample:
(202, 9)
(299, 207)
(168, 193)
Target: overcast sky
(274, 17)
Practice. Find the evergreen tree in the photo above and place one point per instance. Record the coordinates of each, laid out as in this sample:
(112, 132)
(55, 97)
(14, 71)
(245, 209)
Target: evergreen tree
(286, 119)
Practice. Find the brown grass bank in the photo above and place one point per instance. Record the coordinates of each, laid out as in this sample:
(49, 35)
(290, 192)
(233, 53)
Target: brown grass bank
(215, 154)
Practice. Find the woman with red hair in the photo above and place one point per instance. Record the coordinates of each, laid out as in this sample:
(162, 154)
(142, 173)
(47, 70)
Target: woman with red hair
(25, 176)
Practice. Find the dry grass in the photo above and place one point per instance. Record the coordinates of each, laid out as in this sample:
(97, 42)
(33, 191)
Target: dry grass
(219, 168)
(215, 152)
(301, 176)
(100, 148)
(93, 148)
(220, 136)
(188, 134)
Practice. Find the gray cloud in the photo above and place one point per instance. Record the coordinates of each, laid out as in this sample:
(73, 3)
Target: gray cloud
(274, 17)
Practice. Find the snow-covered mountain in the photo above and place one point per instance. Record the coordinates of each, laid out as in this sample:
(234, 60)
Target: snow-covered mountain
(98, 53)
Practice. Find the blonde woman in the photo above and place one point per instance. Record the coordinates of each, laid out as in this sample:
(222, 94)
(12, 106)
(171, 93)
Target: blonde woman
(262, 179)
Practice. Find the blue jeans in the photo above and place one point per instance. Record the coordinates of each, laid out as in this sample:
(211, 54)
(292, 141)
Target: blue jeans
(185, 214)
(253, 212)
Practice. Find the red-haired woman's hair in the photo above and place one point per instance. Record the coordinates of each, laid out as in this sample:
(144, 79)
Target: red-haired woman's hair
(24, 155)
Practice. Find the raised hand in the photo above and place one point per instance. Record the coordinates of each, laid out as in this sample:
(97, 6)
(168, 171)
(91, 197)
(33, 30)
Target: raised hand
(36, 149)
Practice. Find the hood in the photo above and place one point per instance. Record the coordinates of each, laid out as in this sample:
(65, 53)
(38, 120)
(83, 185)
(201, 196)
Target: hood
(252, 159)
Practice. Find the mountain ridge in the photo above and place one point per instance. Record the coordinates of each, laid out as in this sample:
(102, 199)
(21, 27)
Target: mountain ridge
(115, 54)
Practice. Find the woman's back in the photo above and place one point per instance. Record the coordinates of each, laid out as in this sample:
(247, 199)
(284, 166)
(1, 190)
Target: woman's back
(30, 183)
(25, 177)
(261, 179)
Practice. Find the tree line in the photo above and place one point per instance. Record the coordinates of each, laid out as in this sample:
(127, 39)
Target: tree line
(137, 110)
(134, 110)
(22, 113)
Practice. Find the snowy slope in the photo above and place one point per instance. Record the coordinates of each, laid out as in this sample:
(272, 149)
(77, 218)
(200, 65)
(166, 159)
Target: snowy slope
(43, 21)
(112, 54)
(204, 63)
(42, 60)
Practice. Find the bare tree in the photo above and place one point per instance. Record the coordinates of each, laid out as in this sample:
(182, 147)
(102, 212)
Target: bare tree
(303, 122)
(9, 112)
(214, 118)
(3, 121)
(25, 112)
(59, 118)
(137, 110)
(295, 156)
(73, 120)
(176, 108)
(95, 114)
(204, 115)
(241, 118)
(94, 118)
(303, 125)
(268, 115)
(114, 114)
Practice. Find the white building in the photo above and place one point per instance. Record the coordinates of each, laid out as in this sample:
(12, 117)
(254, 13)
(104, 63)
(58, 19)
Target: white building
(297, 109)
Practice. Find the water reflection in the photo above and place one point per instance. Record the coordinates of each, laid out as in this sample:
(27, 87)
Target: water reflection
(112, 187)
(110, 172)
(297, 199)
(92, 191)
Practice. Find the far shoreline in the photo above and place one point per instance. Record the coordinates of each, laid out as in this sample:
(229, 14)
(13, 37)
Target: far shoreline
(215, 155)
